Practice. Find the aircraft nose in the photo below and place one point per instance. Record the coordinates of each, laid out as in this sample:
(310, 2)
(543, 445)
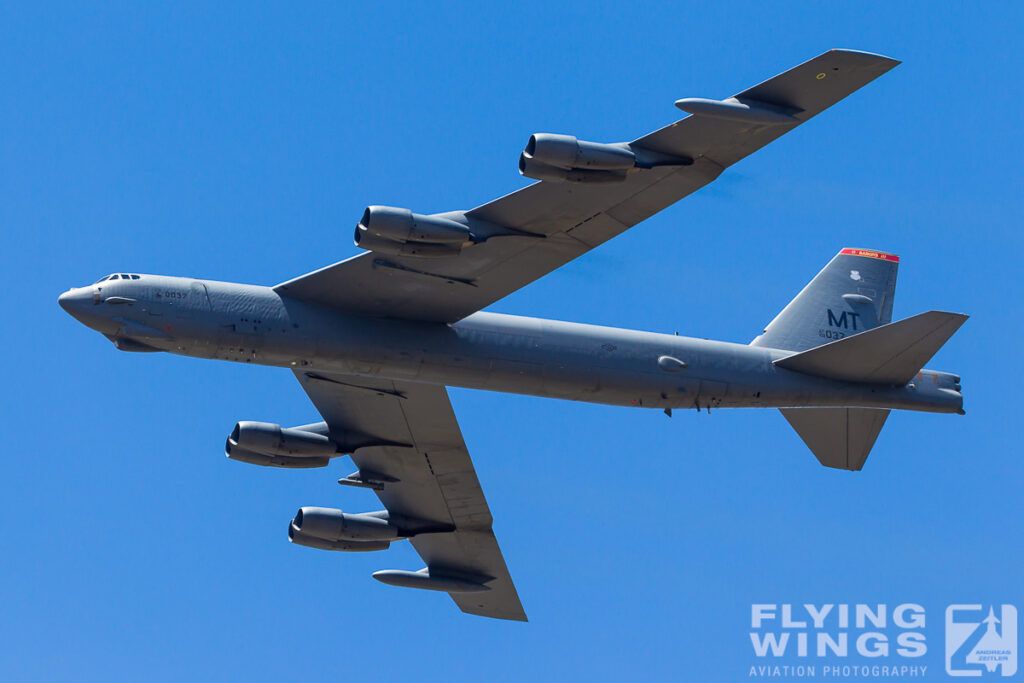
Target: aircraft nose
(74, 299)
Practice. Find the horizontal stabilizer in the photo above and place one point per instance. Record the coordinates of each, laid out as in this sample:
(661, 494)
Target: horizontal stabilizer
(838, 437)
(890, 354)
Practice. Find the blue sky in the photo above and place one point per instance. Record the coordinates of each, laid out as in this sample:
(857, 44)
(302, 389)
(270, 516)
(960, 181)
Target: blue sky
(241, 143)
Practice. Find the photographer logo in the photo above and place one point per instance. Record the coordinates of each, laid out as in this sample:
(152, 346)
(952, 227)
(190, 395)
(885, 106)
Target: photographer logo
(981, 640)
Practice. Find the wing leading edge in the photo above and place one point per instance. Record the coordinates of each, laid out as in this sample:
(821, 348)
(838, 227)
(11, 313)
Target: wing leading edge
(563, 220)
(405, 437)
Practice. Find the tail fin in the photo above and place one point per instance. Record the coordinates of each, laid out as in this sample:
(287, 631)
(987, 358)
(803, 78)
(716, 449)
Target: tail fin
(853, 293)
(840, 327)
(838, 437)
(890, 354)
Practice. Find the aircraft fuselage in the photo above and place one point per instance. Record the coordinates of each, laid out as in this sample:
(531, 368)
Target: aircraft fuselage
(505, 353)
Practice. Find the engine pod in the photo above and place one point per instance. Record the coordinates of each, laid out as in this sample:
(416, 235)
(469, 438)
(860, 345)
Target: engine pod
(253, 458)
(330, 524)
(365, 240)
(298, 538)
(567, 152)
(531, 168)
(272, 439)
(402, 225)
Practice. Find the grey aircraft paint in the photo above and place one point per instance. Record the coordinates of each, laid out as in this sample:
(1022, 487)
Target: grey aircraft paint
(375, 339)
(255, 324)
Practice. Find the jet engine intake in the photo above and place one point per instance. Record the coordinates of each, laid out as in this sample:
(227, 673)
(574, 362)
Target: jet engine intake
(333, 525)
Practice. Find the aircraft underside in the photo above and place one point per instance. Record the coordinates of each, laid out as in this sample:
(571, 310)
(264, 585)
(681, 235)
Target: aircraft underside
(374, 340)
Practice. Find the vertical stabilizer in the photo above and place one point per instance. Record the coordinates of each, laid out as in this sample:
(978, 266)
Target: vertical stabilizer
(853, 293)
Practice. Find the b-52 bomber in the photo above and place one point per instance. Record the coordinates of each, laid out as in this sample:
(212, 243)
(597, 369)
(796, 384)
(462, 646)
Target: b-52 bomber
(375, 339)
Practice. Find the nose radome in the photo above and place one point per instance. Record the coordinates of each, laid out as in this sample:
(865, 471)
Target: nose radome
(65, 299)
(74, 298)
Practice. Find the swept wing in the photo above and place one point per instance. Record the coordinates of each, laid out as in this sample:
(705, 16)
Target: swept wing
(404, 436)
(563, 220)
(407, 442)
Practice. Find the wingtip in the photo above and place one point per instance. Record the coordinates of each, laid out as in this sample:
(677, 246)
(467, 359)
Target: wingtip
(873, 55)
(503, 615)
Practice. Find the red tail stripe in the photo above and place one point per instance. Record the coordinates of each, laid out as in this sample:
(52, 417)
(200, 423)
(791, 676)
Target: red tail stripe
(869, 253)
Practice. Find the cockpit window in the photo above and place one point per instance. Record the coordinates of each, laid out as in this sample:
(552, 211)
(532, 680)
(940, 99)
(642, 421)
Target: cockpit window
(118, 276)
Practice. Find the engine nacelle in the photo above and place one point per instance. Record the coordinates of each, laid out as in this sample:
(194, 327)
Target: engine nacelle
(402, 225)
(253, 458)
(272, 439)
(299, 538)
(565, 151)
(532, 168)
(563, 158)
(388, 230)
(333, 525)
(379, 245)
